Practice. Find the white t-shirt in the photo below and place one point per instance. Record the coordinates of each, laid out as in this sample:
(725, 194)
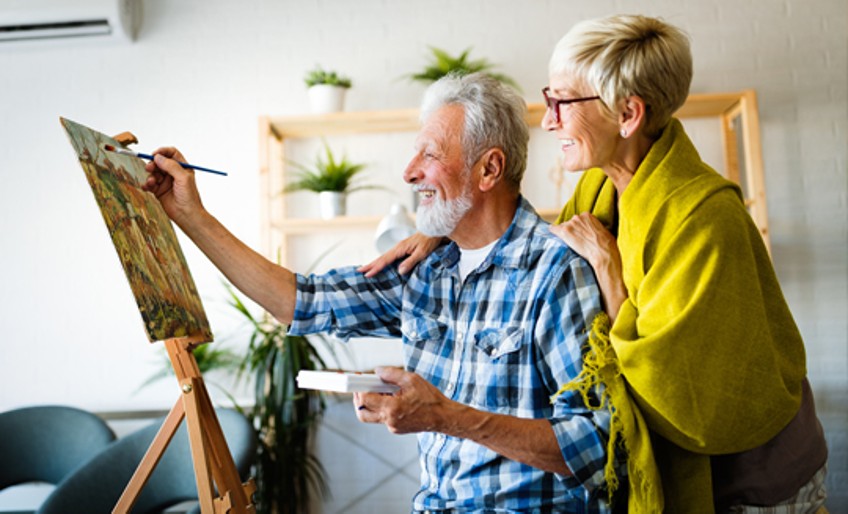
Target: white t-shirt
(469, 260)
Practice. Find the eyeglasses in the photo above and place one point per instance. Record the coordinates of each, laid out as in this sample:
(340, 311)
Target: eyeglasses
(554, 103)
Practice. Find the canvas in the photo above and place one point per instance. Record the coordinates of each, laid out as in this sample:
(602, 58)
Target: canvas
(143, 237)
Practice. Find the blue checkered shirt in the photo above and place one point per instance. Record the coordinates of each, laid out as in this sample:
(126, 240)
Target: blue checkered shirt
(503, 341)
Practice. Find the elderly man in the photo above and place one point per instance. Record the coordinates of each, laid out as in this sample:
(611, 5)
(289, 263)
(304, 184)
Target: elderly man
(492, 322)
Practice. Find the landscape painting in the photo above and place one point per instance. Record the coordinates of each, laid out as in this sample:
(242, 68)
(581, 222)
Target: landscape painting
(143, 237)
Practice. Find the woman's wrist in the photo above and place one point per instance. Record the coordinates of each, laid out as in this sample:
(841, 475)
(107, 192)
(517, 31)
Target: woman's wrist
(608, 272)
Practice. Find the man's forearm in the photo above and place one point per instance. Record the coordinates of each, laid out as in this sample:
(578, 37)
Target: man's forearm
(530, 441)
(269, 285)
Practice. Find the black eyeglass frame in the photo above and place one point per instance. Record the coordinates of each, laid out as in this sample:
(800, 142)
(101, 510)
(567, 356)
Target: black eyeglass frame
(554, 104)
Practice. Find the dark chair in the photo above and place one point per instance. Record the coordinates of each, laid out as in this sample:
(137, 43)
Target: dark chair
(46, 443)
(96, 487)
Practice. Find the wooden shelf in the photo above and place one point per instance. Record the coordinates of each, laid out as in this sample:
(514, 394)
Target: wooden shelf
(740, 137)
(406, 120)
(312, 225)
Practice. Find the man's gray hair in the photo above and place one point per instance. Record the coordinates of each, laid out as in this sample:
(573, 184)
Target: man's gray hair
(494, 118)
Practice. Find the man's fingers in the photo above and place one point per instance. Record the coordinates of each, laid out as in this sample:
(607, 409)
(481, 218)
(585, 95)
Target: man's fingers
(391, 374)
(367, 407)
(170, 152)
(169, 166)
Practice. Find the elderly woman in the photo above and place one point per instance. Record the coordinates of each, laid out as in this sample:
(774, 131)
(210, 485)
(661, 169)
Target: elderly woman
(701, 333)
(702, 361)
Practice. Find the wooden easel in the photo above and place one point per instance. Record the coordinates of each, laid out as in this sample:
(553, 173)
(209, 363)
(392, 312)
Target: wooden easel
(214, 467)
(210, 454)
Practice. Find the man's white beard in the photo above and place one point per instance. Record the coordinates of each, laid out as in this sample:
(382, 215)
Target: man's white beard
(440, 218)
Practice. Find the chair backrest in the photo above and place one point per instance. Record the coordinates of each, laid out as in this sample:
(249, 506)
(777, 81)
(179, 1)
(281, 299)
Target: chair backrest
(97, 486)
(45, 443)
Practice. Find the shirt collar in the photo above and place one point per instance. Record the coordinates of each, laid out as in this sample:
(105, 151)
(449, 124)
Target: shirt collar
(511, 250)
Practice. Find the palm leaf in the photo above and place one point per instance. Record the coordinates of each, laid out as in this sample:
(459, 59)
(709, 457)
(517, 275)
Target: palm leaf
(286, 417)
(442, 63)
(328, 173)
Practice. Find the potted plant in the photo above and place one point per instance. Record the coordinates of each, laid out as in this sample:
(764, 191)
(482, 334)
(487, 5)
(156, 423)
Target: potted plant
(287, 471)
(331, 178)
(441, 63)
(326, 90)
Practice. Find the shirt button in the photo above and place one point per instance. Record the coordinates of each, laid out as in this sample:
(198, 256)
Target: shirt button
(493, 352)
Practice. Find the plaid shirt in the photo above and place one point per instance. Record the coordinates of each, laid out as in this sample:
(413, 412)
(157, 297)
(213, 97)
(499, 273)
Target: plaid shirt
(503, 341)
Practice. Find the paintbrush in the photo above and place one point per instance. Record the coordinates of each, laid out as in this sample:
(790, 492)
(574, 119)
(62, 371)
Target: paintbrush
(126, 151)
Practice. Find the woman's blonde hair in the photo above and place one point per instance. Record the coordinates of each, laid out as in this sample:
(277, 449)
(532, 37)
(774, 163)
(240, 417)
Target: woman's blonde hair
(626, 55)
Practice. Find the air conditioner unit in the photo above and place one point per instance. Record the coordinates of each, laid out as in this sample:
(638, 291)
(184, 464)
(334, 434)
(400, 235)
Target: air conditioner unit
(33, 20)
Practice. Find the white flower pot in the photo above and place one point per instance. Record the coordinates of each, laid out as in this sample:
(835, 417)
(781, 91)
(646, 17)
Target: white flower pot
(333, 204)
(324, 98)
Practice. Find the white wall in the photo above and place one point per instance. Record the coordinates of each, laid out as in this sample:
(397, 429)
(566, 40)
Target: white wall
(203, 71)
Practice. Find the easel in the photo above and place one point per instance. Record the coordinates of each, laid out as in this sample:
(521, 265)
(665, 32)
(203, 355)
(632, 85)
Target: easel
(214, 467)
(209, 451)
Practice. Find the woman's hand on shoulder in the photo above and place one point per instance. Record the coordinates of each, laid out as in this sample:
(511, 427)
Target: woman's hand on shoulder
(587, 236)
(415, 248)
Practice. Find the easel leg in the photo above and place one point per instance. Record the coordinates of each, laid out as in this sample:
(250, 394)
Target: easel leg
(213, 463)
(151, 458)
(217, 458)
(199, 446)
(212, 456)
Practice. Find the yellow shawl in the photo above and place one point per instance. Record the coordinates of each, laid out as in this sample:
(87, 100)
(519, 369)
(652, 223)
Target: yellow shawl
(705, 343)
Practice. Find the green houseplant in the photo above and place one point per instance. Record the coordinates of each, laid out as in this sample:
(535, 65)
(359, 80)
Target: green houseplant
(209, 358)
(442, 63)
(320, 76)
(287, 472)
(332, 178)
(326, 90)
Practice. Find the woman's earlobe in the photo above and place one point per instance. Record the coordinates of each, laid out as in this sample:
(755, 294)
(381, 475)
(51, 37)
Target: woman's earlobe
(632, 115)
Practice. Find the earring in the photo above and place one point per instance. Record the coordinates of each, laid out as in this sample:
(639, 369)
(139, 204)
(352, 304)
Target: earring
(623, 132)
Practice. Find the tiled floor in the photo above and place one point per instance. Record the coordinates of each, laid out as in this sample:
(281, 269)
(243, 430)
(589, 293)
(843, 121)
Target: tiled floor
(370, 470)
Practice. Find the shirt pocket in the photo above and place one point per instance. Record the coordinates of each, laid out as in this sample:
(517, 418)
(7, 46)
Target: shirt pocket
(422, 328)
(424, 345)
(499, 368)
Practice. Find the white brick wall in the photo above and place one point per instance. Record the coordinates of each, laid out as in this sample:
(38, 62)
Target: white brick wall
(203, 71)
